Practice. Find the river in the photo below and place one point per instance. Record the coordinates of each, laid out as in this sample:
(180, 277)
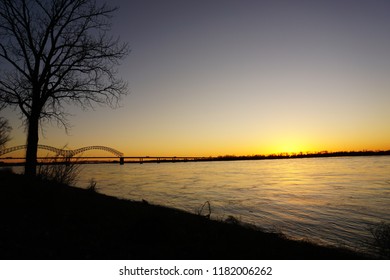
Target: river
(329, 201)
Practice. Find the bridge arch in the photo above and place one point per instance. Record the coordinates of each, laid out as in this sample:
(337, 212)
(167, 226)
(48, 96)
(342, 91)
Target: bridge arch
(102, 148)
(65, 153)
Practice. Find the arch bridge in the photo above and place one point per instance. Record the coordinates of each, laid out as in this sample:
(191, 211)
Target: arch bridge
(65, 153)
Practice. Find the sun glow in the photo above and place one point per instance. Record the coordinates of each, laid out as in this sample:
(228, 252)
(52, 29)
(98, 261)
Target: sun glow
(290, 146)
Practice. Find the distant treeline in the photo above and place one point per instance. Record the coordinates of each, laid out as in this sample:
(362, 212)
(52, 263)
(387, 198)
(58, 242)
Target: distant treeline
(302, 155)
(89, 160)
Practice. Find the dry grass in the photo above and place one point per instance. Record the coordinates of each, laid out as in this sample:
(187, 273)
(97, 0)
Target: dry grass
(61, 170)
(381, 236)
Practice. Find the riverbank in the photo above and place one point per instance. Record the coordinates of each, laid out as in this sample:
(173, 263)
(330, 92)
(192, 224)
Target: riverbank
(43, 220)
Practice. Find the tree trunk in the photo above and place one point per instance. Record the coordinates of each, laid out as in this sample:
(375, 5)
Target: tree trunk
(30, 168)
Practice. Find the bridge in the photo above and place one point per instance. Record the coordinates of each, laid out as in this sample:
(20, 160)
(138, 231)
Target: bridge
(72, 153)
(66, 153)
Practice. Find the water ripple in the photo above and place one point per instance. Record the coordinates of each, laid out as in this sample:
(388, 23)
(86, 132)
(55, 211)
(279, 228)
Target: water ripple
(330, 200)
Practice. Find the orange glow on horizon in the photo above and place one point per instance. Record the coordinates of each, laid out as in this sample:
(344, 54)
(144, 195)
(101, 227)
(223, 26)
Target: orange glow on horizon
(282, 148)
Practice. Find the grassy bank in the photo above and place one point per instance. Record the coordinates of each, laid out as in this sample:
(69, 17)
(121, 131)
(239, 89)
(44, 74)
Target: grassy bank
(42, 220)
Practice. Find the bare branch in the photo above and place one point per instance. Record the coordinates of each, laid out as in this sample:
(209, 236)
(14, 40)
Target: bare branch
(57, 52)
(62, 52)
(5, 130)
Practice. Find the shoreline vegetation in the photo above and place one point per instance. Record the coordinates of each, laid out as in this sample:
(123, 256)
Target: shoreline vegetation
(153, 159)
(42, 219)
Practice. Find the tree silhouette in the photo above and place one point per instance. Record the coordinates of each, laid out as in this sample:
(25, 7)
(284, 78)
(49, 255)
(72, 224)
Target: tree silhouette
(56, 52)
(5, 129)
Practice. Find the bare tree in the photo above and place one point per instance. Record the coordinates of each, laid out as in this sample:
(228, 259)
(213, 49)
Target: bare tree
(56, 52)
(5, 129)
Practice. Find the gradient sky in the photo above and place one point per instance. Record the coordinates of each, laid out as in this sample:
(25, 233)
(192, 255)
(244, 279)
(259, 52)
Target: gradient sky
(243, 77)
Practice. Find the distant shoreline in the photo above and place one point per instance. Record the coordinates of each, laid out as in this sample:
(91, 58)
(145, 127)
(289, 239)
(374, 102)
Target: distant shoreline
(152, 159)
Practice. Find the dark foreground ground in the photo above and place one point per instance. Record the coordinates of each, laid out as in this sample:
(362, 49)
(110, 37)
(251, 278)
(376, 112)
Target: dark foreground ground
(41, 220)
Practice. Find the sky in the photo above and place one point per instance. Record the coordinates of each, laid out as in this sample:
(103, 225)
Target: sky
(242, 77)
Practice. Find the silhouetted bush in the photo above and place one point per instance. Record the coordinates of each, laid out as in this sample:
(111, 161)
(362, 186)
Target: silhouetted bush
(381, 234)
(61, 170)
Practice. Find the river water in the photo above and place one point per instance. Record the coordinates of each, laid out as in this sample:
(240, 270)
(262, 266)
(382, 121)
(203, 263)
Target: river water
(326, 200)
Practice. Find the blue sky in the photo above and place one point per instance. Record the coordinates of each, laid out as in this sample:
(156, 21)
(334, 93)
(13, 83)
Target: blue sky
(243, 77)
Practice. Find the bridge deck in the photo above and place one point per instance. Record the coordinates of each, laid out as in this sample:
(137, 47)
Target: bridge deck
(132, 159)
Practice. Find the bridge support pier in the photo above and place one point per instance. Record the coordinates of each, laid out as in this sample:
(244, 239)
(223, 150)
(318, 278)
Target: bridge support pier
(121, 160)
